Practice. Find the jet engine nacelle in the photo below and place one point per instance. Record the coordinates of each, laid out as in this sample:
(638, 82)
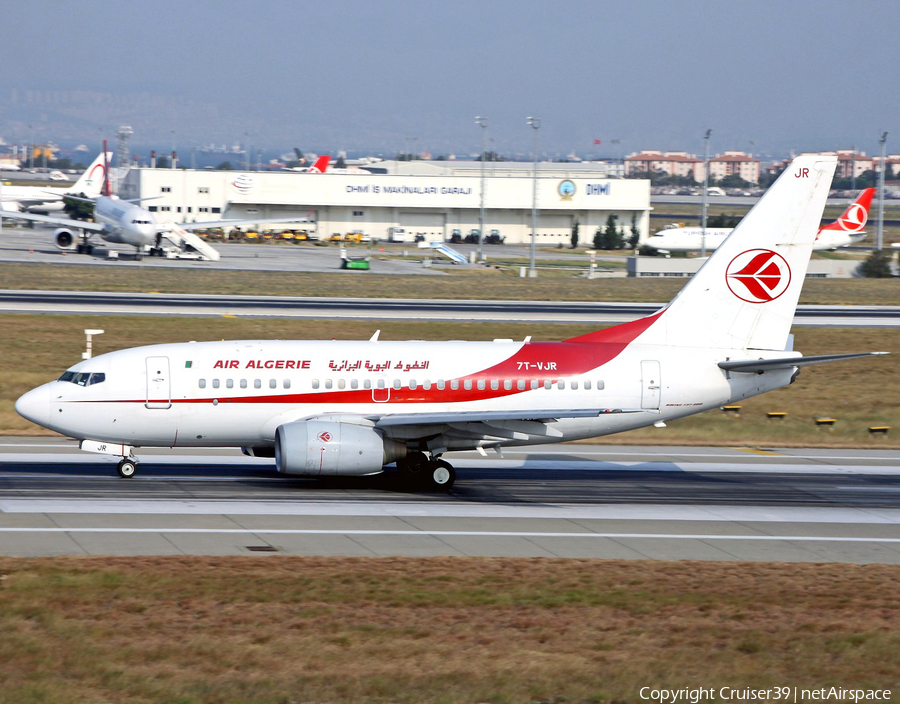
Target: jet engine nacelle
(65, 239)
(324, 447)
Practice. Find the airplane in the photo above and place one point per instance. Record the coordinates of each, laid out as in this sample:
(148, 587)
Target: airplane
(353, 407)
(319, 167)
(34, 198)
(846, 230)
(125, 222)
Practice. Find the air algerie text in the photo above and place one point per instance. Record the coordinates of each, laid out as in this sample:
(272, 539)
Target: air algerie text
(263, 364)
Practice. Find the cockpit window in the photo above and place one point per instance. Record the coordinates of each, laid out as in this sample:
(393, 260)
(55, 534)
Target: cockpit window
(83, 378)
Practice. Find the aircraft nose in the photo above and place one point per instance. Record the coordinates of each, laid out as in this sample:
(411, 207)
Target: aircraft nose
(35, 405)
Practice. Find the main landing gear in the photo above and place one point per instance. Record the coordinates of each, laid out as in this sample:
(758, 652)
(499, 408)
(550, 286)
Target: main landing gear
(431, 473)
(127, 467)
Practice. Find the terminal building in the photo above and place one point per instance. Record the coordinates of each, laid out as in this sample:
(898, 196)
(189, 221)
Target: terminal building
(433, 199)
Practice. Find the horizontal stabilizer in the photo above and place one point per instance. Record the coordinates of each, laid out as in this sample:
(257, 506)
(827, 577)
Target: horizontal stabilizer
(476, 416)
(757, 366)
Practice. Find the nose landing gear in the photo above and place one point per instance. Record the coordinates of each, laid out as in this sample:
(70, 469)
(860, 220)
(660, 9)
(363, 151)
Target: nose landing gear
(127, 468)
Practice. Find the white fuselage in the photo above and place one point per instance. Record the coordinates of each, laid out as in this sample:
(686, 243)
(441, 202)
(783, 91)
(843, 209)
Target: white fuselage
(690, 239)
(238, 393)
(125, 222)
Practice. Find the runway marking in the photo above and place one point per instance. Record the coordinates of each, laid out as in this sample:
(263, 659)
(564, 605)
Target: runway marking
(458, 533)
(759, 452)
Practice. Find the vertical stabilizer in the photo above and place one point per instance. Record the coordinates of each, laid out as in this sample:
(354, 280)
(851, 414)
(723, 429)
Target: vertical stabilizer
(745, 295)
(91, 180)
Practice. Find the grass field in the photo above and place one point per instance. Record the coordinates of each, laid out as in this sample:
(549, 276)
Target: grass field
(489, 284)
(284, 629)
(37, 348)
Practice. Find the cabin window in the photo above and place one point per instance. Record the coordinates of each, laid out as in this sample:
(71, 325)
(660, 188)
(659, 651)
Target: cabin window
(342, 384)
(201, 383)
(587, 384)
(412, 384)
(286, 383)
(243, 383)
(215, 383)
(600, 385)
(229, 383)
(520, 384)
(328, 384)
(561, 386)
(507, 384)
(495, 384)
(397, 384)
(257, 383)
(548, 384)
(426, 385)
(315, 383)
(273, 384)
(573, 385)
(367, 384)
(440, 384)
(380, 384)
(354, 383)
(481, 384)
(454, 384)
(534, 384)
(467, 384)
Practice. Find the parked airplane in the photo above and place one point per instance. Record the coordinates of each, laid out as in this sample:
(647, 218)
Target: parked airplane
(319, 167)
(846, 230)
(350, 408)
(34, 198)
(126, 222)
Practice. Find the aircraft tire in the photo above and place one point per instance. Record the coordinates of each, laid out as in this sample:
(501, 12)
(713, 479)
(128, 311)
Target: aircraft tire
(413, 465)
(126, 468)
(440, 476)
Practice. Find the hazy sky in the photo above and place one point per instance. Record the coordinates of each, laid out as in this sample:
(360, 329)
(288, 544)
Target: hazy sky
(801, 74)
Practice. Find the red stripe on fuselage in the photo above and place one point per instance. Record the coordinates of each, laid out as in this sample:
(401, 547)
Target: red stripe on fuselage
(574, 357)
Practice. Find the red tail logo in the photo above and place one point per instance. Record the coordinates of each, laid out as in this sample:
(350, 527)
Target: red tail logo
(320, 166)
(758, 275)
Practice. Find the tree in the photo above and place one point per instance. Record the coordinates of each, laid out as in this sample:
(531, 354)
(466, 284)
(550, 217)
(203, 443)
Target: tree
(162, 162)
(78, 209)
(722, 220)
(575, 235)
(225, 166)
(340, 163)
(635, 232)
(609, 237)
(734, 181)
(877, 266)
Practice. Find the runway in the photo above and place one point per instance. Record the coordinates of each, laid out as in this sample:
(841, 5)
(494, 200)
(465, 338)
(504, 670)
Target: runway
(587, 312)
(574, 500)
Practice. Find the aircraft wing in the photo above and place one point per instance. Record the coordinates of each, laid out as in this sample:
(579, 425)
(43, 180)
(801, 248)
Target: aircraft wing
(758, 366)
(229, 223)
(59, 222)
(394, 419)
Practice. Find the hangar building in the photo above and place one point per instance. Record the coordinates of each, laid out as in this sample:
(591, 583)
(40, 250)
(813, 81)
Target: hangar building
(429, 198)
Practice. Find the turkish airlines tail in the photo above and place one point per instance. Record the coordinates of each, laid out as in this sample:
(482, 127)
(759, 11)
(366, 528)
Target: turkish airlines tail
(745, 295)
(91, 180)
(854, 218)
(320, 166)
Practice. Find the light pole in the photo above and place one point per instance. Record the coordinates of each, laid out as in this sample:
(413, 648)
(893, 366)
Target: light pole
(408, 152)
(482, 122)
(705, 195)
(880, 240)
(535, 124)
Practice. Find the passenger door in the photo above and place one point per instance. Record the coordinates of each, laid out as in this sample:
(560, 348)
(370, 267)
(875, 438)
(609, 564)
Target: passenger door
(159, 393)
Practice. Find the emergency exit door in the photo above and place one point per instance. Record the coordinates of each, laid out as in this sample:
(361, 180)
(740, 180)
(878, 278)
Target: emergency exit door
(159, 393)
(650, 385)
